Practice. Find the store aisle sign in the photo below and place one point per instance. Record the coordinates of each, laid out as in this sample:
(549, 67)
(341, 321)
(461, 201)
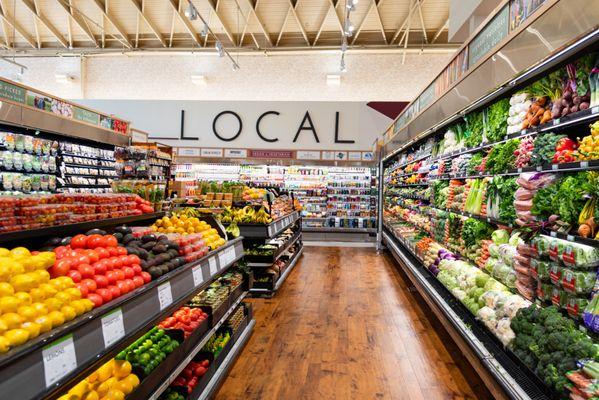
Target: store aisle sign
(271, 154)
(307, 155)
(355, 156)
(188, 152)
(11, 92)
(236, 153)
(367, 156)
(218, 153)
(486, 39)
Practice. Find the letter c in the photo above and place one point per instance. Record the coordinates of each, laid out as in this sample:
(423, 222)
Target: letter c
(258, 126)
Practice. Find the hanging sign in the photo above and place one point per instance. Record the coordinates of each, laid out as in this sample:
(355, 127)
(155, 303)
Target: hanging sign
(307, 155)
(367, 156)
(271, 154)
(188, 152)
(11, 92)
(355, 156)
(218, 153)
(236, 153)
(486, 39)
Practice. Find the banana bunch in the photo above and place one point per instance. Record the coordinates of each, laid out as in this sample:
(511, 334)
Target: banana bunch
(233, 229)
(245, 215)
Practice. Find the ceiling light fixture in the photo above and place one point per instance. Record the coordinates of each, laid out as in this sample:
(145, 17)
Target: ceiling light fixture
(198, 79)
(63, 78)
(190, 12)
(333, 79)
(204, 31)
(219, 47)
(342, 67)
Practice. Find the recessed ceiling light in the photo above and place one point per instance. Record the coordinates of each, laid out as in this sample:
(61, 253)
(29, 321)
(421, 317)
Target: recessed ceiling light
(333, 79)
(198, 79)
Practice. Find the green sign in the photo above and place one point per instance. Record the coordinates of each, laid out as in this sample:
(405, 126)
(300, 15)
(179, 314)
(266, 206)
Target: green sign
(84, 115)
(426, 97)
(488, 38)
(8, 91)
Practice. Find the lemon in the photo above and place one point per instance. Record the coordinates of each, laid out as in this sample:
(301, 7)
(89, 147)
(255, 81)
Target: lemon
(16, 268)
(4, 252)
(89, 305)
(48, 290)
(42, 275)
(80, 389)
(79, 306)
(123, 386)
(53, 304)
(122, 368)
(16, 337)
(56, 318)
(44, 322)
(102, 389)
(20, 251)
(23, 282)
(115, 394)
(105, 371)
(27, 312)
(62, 296)
(92, 395)
(40, 308)
(6, 289)
(9, 304)
(133, 380)
(24, 298)
(37, 295)
(5, 273)
(3, 327)
(48, 259)
(73, 293)
(69, 312)
(4, 344)
(65, 282)
(56, 284)
(33, 328)
(12, 320)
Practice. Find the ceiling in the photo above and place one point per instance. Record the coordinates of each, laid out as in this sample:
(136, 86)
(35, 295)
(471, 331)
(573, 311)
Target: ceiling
(95, 26)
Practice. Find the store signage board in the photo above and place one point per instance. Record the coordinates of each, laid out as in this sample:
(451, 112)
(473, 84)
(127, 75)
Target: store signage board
(307, 155)
(486, 39)
(271, 154)
(236, 153)
(218, 153)
(11, 92)
(427, 97)
(188, 152)
(84, 115)
(340, 155)
(367, 156)
(354, 156)
(328, 155)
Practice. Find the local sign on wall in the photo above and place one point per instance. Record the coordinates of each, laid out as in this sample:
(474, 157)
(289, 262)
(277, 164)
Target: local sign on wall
(346, 126)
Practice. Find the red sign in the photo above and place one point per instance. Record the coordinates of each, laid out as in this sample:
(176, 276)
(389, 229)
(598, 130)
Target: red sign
(271, 154)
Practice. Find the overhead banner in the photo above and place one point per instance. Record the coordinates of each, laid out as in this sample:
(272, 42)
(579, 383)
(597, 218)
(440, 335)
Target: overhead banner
(347, 126)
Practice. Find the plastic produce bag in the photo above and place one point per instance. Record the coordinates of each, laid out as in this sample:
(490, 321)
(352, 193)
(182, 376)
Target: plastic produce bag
(591, 314)
(540, 269)
(580, 256)
(578, 282)
(540, 245)
(544, 291)
(576, 305)
(507, 253)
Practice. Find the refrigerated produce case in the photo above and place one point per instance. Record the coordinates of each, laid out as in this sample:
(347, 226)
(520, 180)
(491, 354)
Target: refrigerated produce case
(489, 211)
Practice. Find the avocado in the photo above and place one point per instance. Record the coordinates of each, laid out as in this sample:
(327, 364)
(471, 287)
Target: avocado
(159, 249)
(164, 268)
(127, 238)
(148, 238)
(123, 229)
(142, 253)
(162, 238)
(172, 245)
(134, 243)
(155, 272)
(65, 241)
(148, 245)
(55, 241)
(173, 253)
(118, 236)
(132, 250)
(143, 264)
(96, 232)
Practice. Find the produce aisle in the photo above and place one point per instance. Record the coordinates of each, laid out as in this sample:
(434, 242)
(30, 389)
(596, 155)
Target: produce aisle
(346, 326)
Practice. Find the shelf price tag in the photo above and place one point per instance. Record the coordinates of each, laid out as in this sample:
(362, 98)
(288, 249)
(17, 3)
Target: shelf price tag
(198, 278)
(519, 170)
(553, 234)
(539, 168)
(570, 238)
(584, 164)
(165, 295)
(595, 110)
(212, 265)
(554, 167)
(556, 121)
(113, 328)
(59, 359)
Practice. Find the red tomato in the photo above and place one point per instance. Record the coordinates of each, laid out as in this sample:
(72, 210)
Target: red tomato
(83, 289)
(102, 252)
(75, 275)
(116, 292)
(132, 259)
(113, 251)
(60, 251)
(94, 241)
(86, 270)
(129, 272)
(60, 267)
(146, 276)
(91, 285)
(120, 275)
(112, 277)
(106, 294)
(129, 284)
(138, 281)
(124, 260)
(110, 241)
(100, 267)
(96, 299)
(78, 241)
(115, 262)
(72, 254)
(123, 287)
(136, 268)
(121, 251)
(82, 259)
(101, 281)
(92, 255)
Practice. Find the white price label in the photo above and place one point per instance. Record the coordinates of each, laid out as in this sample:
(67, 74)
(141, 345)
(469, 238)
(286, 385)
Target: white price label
(59, 359)
(554, 167)
(556, 121)
(552, 234)
(584, 164)
(198, 278)
(222, 259)
(113, 328)
(539, 168)
(230, 254)
(570, 238)
(213, 267)
(595, 110)
(165, 296)
(519, 170)
(523, 132)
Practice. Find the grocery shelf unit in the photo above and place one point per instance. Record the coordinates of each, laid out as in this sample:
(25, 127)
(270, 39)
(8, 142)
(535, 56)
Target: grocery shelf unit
(410, 140)
(23, 373)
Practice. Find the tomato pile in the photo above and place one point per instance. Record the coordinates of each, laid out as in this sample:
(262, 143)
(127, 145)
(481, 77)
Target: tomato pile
(101, 270)
(186, 319)
(143, 206)
(191, 375)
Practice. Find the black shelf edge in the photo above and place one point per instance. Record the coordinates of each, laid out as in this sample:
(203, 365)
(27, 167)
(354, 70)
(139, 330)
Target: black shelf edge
(62, 153)
(571, 238)
(165, 377)
(258, 231)
(328, 229)
(80, 227)
(22, 369)
(227, 363)
(283, 277)
(280, 251)
(515, 382)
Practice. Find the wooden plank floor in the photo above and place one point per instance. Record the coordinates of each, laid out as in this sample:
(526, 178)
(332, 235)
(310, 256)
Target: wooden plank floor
(345, 325)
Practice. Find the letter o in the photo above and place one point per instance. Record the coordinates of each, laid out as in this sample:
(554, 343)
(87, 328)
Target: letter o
(238, 131)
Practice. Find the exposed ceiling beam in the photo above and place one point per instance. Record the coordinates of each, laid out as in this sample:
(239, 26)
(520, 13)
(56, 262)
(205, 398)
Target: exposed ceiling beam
(214, 7)
(38, 38)
(373, 5)
(283, 26)
(405, 21)
(170, 39)
(77, 18)
(29, 4)
(440, 31)
(294, 4)
(422, 23)
(6, 26)
(407, 37)
(103, 6)
(246, 19)
(253, 8)
(140, 9)
(18, 28)
(176, 4)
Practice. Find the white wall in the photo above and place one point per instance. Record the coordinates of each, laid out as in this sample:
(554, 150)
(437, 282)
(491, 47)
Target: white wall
(370, 77)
